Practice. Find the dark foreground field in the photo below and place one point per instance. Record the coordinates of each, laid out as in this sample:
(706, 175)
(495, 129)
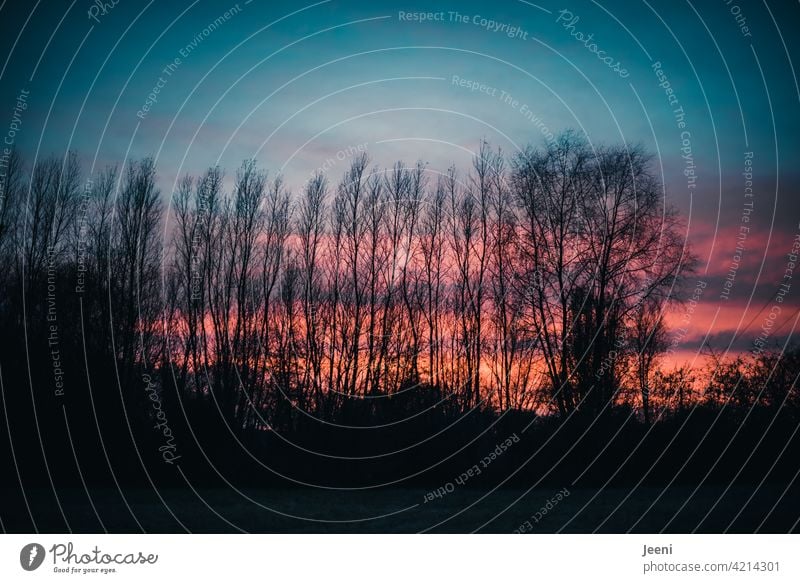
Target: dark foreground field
(644, 510)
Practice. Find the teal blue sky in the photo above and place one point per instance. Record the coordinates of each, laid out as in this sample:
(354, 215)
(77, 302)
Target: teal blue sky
(275, 77)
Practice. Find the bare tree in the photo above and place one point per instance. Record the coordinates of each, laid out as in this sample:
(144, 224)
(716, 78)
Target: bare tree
(311, 229)
(134, 270)
(551, 185)
(432, 239)
(598, 241)
(351, 200)
(47, 216)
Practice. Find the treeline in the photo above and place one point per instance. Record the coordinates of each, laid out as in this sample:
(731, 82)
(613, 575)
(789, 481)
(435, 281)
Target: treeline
(535, 284)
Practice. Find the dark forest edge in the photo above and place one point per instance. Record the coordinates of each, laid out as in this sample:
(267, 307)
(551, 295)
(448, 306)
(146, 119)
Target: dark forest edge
(250, 333)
